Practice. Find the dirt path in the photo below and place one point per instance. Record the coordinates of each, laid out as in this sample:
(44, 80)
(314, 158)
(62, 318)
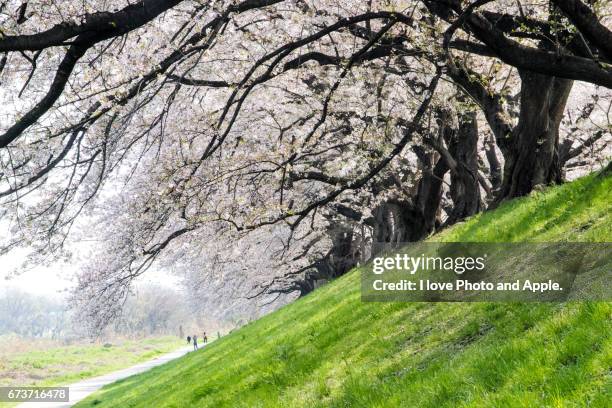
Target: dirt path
(83, 389)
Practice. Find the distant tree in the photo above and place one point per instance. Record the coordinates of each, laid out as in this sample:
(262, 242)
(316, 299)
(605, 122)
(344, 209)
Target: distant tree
(31, 315)
(152, 310)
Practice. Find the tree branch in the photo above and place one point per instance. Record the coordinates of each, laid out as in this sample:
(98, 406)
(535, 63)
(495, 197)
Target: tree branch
(587, 22)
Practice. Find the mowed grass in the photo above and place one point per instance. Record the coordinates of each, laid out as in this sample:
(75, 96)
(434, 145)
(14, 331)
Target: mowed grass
(61, 365)
(329, 349)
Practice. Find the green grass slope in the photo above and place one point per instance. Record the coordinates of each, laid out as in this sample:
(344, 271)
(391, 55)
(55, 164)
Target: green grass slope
(329, 349)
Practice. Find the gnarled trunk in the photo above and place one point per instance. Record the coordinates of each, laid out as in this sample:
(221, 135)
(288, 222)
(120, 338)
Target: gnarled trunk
(429, 192)
(465, 188)
(533, 155)
(398, 221)
(495, 170)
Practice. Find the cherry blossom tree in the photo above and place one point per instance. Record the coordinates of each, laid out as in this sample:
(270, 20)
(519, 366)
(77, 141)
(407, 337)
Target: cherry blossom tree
(298, 132)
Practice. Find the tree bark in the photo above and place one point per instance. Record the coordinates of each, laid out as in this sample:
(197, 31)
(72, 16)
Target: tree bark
(399, 221)
(429, 192)
(495, 169)
(465, 188)
(533, 155)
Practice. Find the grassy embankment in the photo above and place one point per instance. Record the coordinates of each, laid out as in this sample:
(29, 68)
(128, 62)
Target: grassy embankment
(329, 349)
(41, 363)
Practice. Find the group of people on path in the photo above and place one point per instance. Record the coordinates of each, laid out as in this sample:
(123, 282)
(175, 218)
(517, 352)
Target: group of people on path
(195, 340)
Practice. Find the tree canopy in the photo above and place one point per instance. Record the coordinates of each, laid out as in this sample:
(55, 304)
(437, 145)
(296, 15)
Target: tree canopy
(285, 134)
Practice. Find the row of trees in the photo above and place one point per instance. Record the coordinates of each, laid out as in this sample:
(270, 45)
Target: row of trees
(285, 135)
(29, 315)
(152, 310)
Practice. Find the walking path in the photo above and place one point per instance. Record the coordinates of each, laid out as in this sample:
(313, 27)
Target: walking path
(83, 389)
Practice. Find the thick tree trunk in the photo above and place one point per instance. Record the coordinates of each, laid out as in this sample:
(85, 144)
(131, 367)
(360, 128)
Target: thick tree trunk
(429, 191)
(432, 197)
(461, 158)
(495, 170)
(533, 155)
(465, 188)
(399, 221)
(342, 257)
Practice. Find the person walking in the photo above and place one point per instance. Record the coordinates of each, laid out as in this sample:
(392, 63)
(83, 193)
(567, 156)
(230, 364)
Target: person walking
(195, 342)
(204, 339)
(188, 339)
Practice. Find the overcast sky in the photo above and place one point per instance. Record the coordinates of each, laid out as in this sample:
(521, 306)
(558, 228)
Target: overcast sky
(56, 279)
(39, 280)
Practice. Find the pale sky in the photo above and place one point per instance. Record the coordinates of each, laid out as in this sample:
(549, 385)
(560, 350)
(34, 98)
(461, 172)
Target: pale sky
(56, 279)
(39, 280)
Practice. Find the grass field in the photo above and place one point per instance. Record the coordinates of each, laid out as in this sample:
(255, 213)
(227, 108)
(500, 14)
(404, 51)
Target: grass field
(329, 349)
(43, 364)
